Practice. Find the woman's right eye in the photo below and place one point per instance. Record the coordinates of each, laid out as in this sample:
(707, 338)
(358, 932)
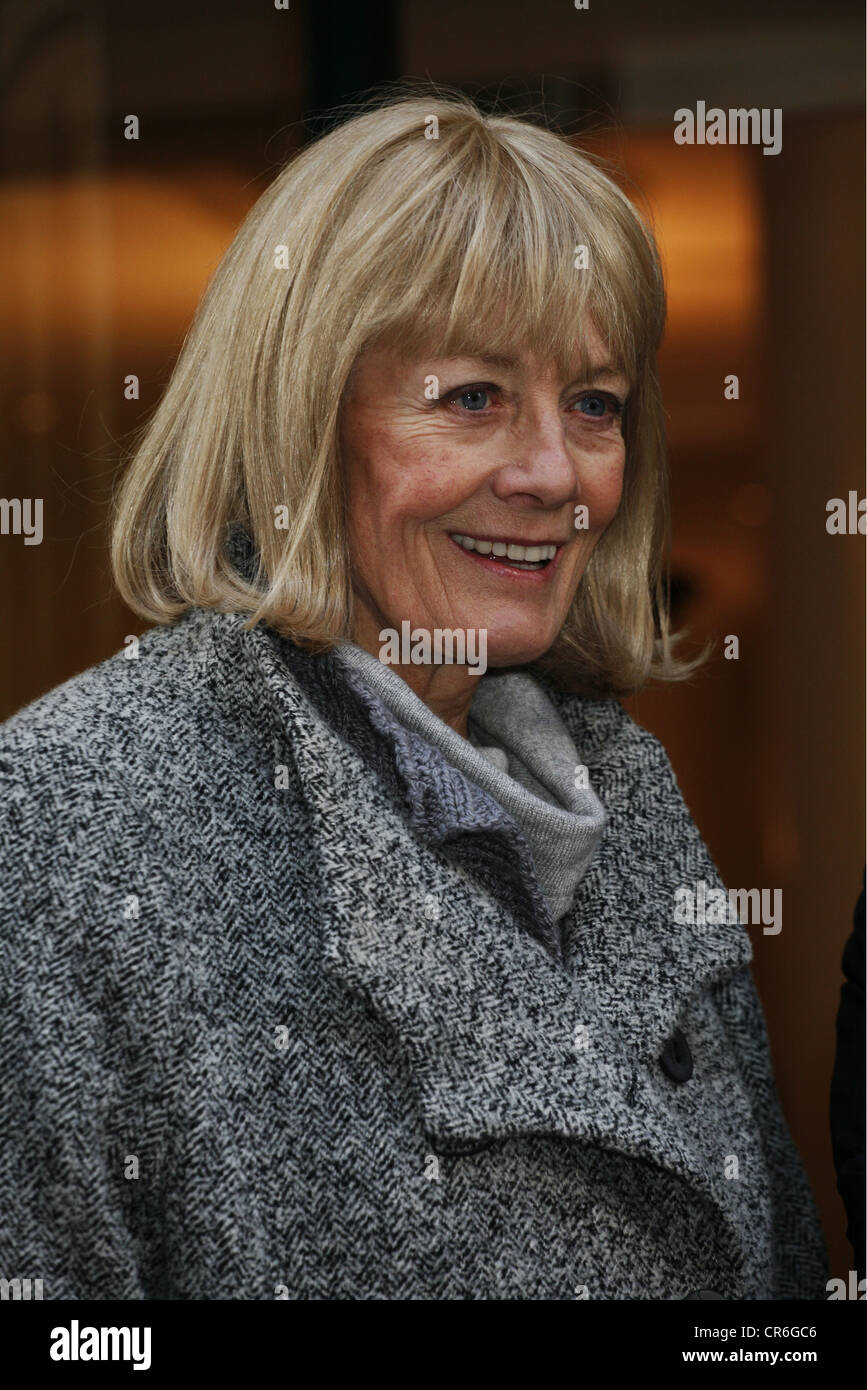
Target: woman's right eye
(472, 398)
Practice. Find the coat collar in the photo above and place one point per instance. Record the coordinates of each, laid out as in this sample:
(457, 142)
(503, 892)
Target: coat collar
(504, 1037)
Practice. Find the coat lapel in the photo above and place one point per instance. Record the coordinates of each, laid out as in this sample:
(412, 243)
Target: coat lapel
(505, 1039)
(622, 938)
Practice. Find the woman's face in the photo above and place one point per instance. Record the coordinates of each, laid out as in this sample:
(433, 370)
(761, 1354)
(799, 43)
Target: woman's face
(500, 452)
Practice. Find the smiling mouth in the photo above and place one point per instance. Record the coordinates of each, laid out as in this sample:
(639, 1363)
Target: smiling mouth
(513, 554)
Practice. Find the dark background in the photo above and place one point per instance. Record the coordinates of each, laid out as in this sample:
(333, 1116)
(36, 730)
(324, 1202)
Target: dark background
(107, 244)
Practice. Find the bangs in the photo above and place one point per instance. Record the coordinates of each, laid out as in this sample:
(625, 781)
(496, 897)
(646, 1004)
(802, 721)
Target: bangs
(509, 255)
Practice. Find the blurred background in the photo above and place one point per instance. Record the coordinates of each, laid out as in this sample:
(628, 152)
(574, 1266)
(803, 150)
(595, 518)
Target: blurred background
(107, 244)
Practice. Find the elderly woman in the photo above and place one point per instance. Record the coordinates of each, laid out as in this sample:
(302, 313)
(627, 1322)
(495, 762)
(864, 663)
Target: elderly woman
(341, 942)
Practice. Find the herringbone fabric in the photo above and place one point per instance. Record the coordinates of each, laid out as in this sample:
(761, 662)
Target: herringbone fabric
(282, 1011)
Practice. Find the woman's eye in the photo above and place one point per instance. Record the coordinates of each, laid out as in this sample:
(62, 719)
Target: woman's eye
(476, 399)
(471, 398)
(597, 405)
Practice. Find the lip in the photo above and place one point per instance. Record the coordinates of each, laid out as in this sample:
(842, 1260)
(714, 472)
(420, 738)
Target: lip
(494, 566)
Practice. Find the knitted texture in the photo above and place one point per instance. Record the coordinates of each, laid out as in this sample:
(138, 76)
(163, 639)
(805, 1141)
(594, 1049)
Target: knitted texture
(561, 822)
(283, 1013)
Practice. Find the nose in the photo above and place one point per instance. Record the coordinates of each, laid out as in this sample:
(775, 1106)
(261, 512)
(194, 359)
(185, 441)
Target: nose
(541, 465)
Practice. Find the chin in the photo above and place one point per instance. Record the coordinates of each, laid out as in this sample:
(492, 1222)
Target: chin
(517, 651)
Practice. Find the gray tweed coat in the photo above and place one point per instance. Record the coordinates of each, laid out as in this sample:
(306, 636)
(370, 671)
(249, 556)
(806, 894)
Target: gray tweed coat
(277, 1017)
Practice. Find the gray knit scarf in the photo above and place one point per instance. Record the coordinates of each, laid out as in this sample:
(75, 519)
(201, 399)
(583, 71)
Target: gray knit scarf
(520, 752)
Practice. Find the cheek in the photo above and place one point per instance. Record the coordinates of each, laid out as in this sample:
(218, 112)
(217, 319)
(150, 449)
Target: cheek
(411, 479)
(373, 481)
(604, 491)
(367, 460)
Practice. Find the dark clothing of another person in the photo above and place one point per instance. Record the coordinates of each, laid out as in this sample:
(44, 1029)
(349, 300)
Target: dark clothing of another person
(848, 1088)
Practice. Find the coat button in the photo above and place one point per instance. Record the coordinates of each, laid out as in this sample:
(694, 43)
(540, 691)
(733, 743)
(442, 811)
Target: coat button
(676, 1059)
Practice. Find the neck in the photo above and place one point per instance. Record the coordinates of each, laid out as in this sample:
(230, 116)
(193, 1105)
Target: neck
(447, 690)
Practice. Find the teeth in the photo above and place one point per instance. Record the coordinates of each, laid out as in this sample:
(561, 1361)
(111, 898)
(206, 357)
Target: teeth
(532, 554)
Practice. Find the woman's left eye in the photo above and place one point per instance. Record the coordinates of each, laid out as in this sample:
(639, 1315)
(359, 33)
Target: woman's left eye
(599, 403)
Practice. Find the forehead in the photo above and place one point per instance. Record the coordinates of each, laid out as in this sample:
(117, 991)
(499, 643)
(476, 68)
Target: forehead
(587, 348)
(585, 356)
(597, 362)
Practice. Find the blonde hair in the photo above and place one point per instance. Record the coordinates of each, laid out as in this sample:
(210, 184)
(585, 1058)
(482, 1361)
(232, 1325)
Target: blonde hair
(409, 224)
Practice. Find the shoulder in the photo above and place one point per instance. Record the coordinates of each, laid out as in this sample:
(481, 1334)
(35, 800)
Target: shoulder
(610, 741)
(142, 686)
(631, 771)
(139, 808)
(143, 733)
